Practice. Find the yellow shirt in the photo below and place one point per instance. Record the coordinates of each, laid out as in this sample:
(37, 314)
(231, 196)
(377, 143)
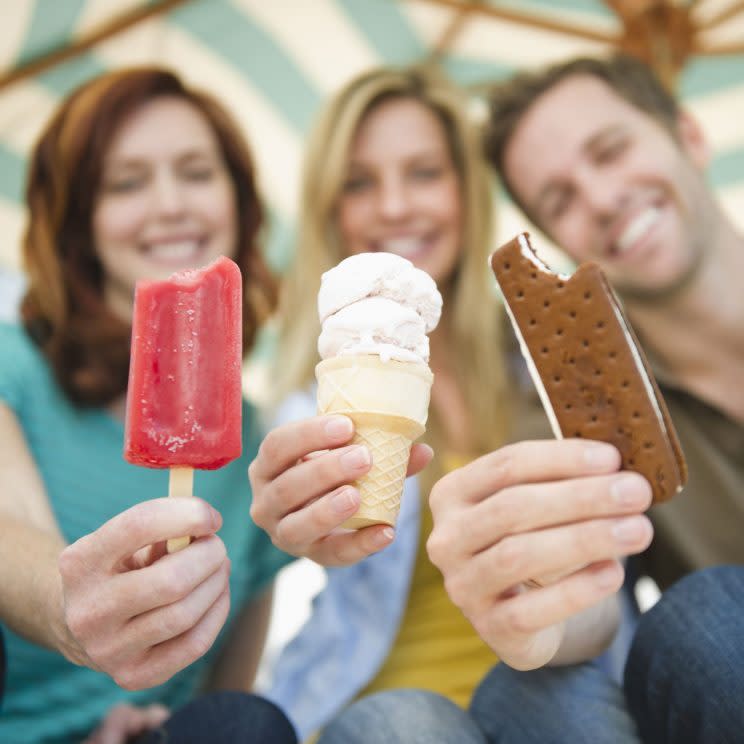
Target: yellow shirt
(436, 648)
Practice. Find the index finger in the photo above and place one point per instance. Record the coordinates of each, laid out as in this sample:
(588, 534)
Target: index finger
(537, 461)
(284, 446)
(139, 526)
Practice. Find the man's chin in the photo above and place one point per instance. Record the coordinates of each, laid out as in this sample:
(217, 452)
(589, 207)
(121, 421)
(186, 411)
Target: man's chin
(661, 291)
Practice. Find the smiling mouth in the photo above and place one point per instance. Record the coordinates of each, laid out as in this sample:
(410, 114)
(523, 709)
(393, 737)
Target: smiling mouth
(177, 251)
(405, 247)
(636, 230)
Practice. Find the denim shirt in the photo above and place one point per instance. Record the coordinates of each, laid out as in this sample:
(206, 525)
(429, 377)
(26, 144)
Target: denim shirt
(354, 620)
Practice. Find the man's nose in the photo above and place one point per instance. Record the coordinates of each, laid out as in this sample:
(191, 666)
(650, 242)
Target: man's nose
(602, 196)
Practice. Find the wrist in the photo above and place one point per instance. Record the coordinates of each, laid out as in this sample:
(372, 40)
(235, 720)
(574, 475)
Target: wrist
(62, 638)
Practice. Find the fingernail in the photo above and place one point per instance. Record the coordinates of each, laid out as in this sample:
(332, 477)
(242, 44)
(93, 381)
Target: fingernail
(629, 530)
(345, 500)
(607, 577)
(338, 427)
(356, 459)
(600, 456)
(629, 490)
(383, 537)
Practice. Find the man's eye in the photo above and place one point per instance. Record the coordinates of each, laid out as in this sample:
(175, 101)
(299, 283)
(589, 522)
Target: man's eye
(610, 150)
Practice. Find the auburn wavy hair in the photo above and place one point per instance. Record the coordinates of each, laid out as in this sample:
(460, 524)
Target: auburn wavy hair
(63, 309)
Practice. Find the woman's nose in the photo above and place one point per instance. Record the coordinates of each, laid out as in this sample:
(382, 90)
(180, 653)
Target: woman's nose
(168, 198)
(394, 200)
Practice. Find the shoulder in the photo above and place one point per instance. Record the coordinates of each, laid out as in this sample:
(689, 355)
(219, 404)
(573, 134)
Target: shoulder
(19, 356)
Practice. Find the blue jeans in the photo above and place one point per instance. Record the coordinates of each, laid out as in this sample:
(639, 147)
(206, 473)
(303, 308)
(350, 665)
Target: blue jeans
(402, 717)
(684, 679)
(228, 717)
(684, 684)
(554, 705)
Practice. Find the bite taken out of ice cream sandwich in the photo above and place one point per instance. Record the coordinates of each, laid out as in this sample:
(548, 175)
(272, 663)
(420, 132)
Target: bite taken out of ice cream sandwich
(587, 365)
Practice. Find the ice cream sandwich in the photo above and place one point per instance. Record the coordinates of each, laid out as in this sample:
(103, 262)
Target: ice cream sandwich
(592, 376)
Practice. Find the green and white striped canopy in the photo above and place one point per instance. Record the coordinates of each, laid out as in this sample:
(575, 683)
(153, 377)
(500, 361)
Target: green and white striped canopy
(274, 62)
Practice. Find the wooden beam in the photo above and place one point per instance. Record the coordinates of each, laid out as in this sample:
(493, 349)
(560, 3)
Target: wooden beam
(454, 27)
(74, 49)
(715, 50)
(531, 20)
(721, 17)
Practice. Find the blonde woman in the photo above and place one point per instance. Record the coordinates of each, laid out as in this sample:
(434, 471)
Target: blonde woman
(394, 164)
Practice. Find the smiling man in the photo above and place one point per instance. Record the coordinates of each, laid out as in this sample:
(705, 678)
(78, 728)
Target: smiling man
(603, 159)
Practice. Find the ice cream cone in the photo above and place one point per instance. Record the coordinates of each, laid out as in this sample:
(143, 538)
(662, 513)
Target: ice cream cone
(388, 403)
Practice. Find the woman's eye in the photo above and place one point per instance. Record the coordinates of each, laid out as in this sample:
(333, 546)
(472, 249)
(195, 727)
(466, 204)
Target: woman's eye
(426, 174)
(199, 174)
(123, 185)
(356, 184)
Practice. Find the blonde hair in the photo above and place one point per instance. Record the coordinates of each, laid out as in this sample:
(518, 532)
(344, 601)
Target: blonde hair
(472, 309)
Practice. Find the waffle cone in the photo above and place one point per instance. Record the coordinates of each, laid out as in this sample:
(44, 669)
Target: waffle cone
(388, 403)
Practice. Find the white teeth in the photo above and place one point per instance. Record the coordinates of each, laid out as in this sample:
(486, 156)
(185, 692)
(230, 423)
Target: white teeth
(174, 251)
(637, 228)
(402, 246)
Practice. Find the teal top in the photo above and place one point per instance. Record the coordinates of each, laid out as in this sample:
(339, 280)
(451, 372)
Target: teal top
(79, 455)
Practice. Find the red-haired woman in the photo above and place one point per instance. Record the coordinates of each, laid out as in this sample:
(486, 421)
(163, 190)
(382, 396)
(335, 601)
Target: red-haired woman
(136, 176)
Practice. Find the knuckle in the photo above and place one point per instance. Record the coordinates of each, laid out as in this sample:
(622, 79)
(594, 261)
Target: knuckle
(134, 521)
(514, 621)
(269, 449)
(130, 678)
(252, 474)
(258, 513)
(438, 496)
(177, 619)
(282, 493)
(438, 546)
(285, 535)
(71, 562)
(78, 622)
(198, 643)
(458, 589)
(510, 556)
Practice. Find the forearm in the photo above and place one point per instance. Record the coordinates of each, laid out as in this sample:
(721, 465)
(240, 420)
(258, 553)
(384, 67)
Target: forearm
(238, 661)
(589, 633)
(31, 601)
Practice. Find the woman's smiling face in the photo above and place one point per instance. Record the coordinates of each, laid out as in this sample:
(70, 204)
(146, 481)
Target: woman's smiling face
(402, 190)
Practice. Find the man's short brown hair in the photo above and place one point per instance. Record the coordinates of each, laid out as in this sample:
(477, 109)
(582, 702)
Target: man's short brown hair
(630, 78)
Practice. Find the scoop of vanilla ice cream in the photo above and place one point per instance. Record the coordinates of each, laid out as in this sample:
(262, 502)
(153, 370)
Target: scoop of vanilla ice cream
(377, 303)
(380, 275)
(375, 325)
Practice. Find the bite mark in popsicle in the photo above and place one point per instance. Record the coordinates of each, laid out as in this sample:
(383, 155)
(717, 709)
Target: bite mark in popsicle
(184, 393)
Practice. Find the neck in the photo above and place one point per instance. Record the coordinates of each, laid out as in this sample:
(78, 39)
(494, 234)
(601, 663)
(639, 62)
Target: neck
(697, 332)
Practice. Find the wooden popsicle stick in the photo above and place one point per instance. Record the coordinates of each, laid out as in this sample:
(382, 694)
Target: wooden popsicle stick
(180, 484)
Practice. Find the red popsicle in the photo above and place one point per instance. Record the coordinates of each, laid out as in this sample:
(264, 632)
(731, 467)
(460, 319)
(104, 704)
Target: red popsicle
(184, 394)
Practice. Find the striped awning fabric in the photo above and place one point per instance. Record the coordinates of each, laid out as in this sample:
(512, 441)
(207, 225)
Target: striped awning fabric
(273, 63)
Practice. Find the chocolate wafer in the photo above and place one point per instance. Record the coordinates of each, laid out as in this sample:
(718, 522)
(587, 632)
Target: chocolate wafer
(592, 376)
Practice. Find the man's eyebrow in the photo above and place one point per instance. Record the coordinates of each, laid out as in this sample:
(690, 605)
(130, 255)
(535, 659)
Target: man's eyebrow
(592, 143)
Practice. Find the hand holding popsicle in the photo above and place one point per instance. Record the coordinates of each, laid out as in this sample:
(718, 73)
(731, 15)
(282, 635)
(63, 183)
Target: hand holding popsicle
(184, 393)
(134, 613)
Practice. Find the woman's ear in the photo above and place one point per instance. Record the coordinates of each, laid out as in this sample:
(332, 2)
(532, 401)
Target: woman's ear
(693, 139)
